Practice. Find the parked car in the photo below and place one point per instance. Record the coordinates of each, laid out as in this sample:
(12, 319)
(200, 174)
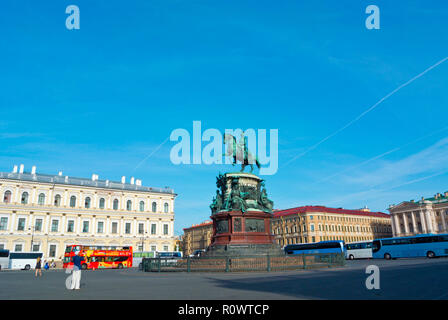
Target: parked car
(197, 253)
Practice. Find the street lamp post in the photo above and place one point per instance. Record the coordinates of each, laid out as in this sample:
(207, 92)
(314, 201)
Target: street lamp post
(32, 236)
(143, 239)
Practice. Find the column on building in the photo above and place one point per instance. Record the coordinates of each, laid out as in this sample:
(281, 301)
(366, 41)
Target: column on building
(397, 224)
(428, 220)
(423, 221)
(394, 227)
(414, 223)
(443, 218)
(405, 222)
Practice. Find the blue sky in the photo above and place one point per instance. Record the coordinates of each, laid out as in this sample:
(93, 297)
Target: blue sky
(103, 98)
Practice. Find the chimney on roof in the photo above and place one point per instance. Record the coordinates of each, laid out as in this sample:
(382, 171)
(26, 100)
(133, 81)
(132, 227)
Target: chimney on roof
(14, 170)
(60, 173)
(33, 170)
(446, 194)
(66, 178)
(123, 179)
(438, 195)
(132, 180)
(21, 168)
(94, 177)
(138, 182)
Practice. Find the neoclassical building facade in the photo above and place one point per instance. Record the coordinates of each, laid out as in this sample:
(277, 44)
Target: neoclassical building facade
(318, 223)
(420, 217)
(45, 213)
(197, 237)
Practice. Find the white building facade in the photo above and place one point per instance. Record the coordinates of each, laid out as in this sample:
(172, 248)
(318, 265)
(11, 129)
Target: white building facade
(420, 217)
(45, 213)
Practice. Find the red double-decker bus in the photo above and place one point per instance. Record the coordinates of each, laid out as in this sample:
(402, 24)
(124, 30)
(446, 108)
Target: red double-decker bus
(96, 257)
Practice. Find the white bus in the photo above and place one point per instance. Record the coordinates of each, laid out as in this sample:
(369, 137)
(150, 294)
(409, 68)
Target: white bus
(24, 260)
(138, 257)
(358, 250)
(4, 259)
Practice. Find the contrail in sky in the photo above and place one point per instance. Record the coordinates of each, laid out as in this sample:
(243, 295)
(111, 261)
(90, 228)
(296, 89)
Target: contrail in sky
(382, 155)
(365, 112)
(150, 155)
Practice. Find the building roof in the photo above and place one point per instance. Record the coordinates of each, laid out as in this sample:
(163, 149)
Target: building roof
(436, 199)
(322, 209)
(85, 182)
(203, 224)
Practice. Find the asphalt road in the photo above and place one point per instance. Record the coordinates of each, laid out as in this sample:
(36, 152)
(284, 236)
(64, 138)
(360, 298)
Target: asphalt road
(399, 279)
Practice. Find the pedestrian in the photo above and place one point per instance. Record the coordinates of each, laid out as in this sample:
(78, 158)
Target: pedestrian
(52, 265)
(38, 267)
(76, 275)
(46, 266)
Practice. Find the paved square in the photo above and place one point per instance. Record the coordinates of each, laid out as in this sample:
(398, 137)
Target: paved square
(400, 279)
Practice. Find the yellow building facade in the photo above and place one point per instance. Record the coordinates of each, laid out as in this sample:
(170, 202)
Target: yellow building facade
(197, 237)
(319, 223)
(45, 213)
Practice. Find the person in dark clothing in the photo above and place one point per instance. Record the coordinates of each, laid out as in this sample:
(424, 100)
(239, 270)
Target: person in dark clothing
(76, 275)
(38, 267)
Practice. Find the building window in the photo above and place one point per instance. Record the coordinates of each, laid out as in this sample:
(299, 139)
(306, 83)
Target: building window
(114, 227)
(38, 225)
(153, 228)
(153, 248)
(70, 226)
(54, 225)
(142, 206)
(52, 252)
(141, 228)
(87, 203)
(115, 204)
(7, 197)
(24, 199)
(312, 227)
(21, 224)
(165, 248)
(36, 247)
(41, 200)
(100, 227)
(18, 248)
(85, 226)
(165, 229)
(127, 228)
(57, 200)
(102, 202)
(72, 201)
(154, 207)
(166, 207)
(3, 223)
(129, 205)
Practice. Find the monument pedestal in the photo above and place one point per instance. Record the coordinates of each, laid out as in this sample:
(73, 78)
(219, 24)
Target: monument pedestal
(242, 218)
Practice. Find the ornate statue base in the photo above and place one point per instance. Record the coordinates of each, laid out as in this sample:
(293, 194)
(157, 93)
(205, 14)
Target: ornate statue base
(241, 215)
